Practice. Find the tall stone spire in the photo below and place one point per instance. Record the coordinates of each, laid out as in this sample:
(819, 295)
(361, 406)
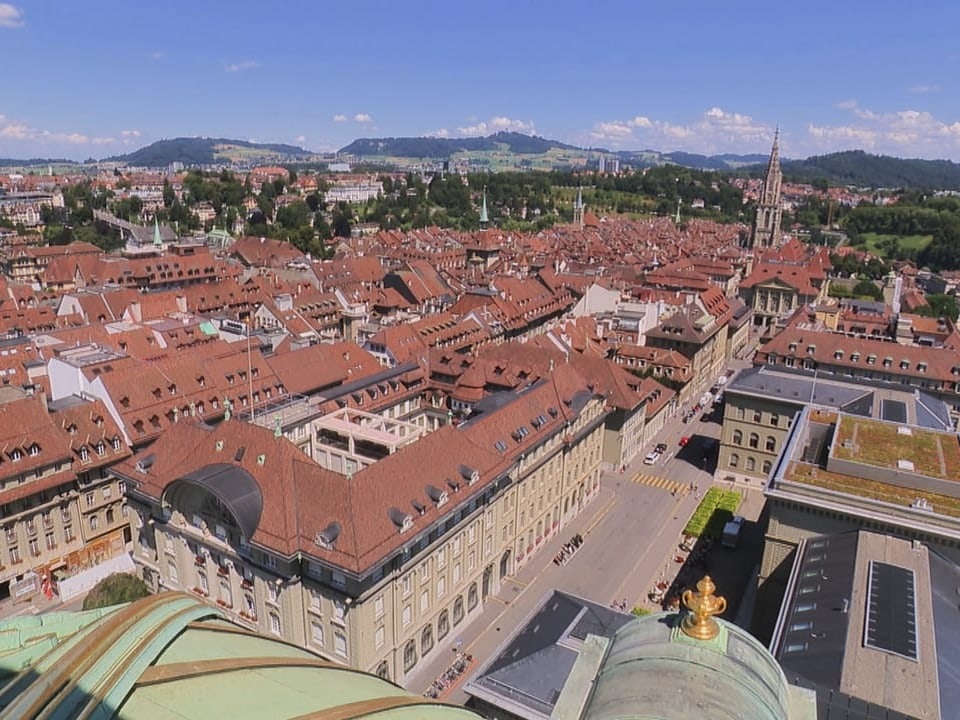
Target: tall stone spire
(766, 225)
(578, 208)
(484, 217)
(157, 239)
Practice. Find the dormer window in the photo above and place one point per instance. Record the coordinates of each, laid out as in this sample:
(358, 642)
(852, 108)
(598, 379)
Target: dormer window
(157, 393)
(838, 355)
(855, 357)
(172, 388)
(871, 359)
(34, 450)
(904, 364)
(201, 380)
(887, 361)
(84, 453)
(921, 367)
(792, 347)
(811, 349)
(16, 455)
(116, 444)
(72, 429)
(101, 448)
(125, 401)
(229, 379)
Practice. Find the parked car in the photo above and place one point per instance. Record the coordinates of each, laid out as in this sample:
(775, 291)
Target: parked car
(731, 532)
(651, 457)
(661, 447)
(684, 440)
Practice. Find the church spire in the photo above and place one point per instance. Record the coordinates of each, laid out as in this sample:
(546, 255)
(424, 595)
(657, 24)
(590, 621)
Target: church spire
(773, 167)
(484, 217)
(157, 239)
(766, 225)
(578, 208)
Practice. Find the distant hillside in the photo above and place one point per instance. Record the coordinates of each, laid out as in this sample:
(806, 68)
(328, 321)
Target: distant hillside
(209, 151)
(856, 167)
(442, 148)
(726, 161)
(34, 162)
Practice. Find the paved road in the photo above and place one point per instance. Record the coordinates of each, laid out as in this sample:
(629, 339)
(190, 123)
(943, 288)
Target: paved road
(631, 533)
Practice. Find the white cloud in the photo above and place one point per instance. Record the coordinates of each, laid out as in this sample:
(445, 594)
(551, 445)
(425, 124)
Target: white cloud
(339, 117)
(901, 133)
(10, 16)
(300, 139)
(362, 118)
(846, 104)
(923, 89)
(717, 130)
(241, 66)
(496, 124)
(440, 133)
(129, 133)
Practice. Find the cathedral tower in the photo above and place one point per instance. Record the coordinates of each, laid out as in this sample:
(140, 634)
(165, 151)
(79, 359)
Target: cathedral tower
(766, 226)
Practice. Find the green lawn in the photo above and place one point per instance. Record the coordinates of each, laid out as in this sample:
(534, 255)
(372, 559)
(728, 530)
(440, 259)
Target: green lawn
(877, 243)
(714, 511)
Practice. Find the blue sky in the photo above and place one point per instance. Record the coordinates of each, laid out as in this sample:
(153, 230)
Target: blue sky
(92, 79)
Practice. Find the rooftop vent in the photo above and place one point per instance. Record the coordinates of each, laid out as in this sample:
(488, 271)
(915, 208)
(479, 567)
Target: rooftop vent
(418, 506)
(453, 485)
(144, 464)
(328, 536)
(437, 495)
(239, 454)
(904, 430)
(905, 465)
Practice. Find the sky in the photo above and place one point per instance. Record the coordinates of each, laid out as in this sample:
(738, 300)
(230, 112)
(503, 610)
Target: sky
(86, 79)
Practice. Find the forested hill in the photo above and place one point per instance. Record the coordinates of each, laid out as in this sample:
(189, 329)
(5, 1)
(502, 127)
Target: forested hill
(433, 147)
(193, 151)
(856, 167)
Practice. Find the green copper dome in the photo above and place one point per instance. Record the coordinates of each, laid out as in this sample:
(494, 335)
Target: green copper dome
(170, 656)
(654, 670)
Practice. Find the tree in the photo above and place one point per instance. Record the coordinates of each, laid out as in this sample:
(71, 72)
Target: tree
(115, 589)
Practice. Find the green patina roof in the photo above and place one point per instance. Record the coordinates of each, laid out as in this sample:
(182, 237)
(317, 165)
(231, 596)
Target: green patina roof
(653, 670)
(170, 656)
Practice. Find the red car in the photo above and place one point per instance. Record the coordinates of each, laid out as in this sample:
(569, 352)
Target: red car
(684, 440)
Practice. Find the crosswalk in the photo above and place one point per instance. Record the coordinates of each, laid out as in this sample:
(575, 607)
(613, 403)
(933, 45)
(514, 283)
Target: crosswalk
(659, 482)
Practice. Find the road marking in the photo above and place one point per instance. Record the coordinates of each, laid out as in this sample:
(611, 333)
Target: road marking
(659, 482)
(600, 516)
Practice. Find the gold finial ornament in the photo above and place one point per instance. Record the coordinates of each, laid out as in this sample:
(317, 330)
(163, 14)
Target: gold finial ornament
(703, 605)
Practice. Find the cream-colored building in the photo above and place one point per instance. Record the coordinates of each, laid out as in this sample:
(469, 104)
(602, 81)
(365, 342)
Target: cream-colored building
(379, 569)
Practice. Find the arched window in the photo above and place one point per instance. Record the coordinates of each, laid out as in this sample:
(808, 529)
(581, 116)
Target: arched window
(751, 464)
(737, 437)
(754, 440)
(766, 467)
(734, 460)
(383, 670)
(426, 640)
(472, 597)
(409, 655)
(443, 624)
(458, 609)
(771, 443)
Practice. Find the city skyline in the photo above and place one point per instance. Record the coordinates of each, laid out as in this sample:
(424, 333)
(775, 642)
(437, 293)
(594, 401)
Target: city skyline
(100, 80)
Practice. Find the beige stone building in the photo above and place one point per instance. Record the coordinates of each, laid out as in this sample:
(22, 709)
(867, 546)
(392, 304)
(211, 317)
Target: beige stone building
(378, 569)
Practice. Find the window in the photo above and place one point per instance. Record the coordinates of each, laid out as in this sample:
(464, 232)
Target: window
(202, 582)
(472, 597)
(737, 437)
(458, 609)
(68, 533)
(251, 604)
(456, 573)
(94, 522)
(101, 448)
(378, 638)
(275, 627)
(273, 593)
(443, 624)
(51, 541)
(754, 440)
(107, 492)
(441, 558)
(316, 633)
(741, 413)
(172, 574)
(84, 453)
(15, 558)
(409, 656)
(405, 584)
(406, 615)
(775, 419)
(424, 601)
(339, 581)
(340, 644)
(226, 592)
(378, 606)
(767, 465)
(90, 499)
(757, 416)
(426, 640)
(34, 547)
(471, 559)
(116, 444)
(441, 587)
(339, 611)
(315, 599)
(771, 444)
(734, 460)
(751, 464)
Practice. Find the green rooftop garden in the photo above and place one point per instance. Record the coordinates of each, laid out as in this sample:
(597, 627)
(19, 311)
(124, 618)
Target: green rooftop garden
(714, 511)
